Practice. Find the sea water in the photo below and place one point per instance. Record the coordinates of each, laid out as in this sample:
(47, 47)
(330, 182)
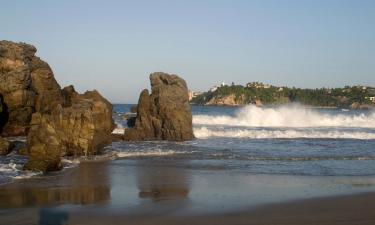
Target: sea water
(241, 157)
(289, 139)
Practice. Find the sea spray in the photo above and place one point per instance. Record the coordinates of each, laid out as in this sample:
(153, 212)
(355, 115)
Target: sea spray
(210, 132)
(287, 116)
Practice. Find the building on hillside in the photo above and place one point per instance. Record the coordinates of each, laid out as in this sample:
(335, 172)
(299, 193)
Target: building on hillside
(372, 99)
(193, 94)
(214, 88)
(257, 85)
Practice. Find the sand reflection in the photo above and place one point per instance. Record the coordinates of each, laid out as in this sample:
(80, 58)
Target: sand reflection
(160, 182)
(87, 184)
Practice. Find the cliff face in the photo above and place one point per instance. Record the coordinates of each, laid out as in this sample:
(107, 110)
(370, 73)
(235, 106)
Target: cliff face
(58, 122)
(27, 85)
(228, 100)
(165, 114)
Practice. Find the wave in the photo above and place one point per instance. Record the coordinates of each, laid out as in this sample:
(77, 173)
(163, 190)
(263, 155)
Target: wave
(205, 132)
(150, 153)
(15, 171)
(287, 116)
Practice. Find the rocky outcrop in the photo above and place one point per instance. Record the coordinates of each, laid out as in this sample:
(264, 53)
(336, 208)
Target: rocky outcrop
(165, 114)
(60, 122)
(78, 130)
(5, 146)
(27, 85)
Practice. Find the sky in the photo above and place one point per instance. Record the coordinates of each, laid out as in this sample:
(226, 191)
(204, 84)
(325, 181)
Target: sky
(114, 45)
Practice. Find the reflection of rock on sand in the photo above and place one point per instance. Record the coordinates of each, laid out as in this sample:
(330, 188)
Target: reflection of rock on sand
(85, 185)
(159, 183)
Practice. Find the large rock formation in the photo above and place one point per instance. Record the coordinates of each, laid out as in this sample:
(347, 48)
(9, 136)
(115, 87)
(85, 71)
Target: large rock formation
(60, 122)
(78, 130)
(27, 85)
(165, 114)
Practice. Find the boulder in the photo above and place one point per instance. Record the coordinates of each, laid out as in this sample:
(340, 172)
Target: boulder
(5, 146)
(79, 130)
(165, 114)
(27, 85)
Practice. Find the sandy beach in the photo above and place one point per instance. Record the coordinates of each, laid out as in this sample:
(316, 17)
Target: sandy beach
(343, 210)
(149, 192)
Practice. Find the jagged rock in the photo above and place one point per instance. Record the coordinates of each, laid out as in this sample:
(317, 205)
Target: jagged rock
(27, 85)
(69, 93)
(165, 114)
(5, 146)
(80, 129)
(43, 83)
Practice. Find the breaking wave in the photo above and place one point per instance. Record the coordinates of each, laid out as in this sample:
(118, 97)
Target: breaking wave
(206, 132)
(150, 153)
(288, 116)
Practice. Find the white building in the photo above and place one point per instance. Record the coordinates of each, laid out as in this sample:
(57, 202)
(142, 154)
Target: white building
(193, 94)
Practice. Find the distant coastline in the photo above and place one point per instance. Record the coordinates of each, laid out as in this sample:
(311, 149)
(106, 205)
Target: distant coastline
(348, 97)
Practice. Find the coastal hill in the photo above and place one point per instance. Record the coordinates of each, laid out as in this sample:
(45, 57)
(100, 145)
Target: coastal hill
(355, 97)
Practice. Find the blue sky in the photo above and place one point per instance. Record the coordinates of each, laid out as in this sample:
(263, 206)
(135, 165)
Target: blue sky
(113, 46)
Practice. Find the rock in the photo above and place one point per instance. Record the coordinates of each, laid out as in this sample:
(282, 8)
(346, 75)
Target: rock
(27, 85)
(133, 109)
(5, 146)
(81, 129)
(357, 105)
(131, 121)
(43, 83)
(4, 115)
(68, 93)
(165, 114)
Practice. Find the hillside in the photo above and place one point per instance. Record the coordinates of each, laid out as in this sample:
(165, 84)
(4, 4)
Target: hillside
(262, 94)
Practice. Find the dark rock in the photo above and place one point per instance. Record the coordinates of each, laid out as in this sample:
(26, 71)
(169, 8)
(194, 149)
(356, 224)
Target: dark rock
(165, 114)
(4, 114)
(81, 129)
(131, 121)
(5, 146)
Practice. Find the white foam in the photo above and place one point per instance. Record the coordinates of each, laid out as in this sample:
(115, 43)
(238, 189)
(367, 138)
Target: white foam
(204, 132)
(156, 152)
(15, 171)
(118, 131)
(10, 167)
(287, 116)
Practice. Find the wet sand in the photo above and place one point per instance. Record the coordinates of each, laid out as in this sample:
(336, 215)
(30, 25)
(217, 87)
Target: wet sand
(167, 193)
(344, 210)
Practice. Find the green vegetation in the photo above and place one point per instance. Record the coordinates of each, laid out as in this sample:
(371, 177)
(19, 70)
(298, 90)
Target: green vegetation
(267, 94)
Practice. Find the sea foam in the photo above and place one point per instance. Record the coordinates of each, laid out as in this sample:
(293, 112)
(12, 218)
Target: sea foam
(287, 116)
(206, 132)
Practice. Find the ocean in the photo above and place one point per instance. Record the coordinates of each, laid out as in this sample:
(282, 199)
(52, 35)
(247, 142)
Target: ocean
(278, 140)
(241, 157)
